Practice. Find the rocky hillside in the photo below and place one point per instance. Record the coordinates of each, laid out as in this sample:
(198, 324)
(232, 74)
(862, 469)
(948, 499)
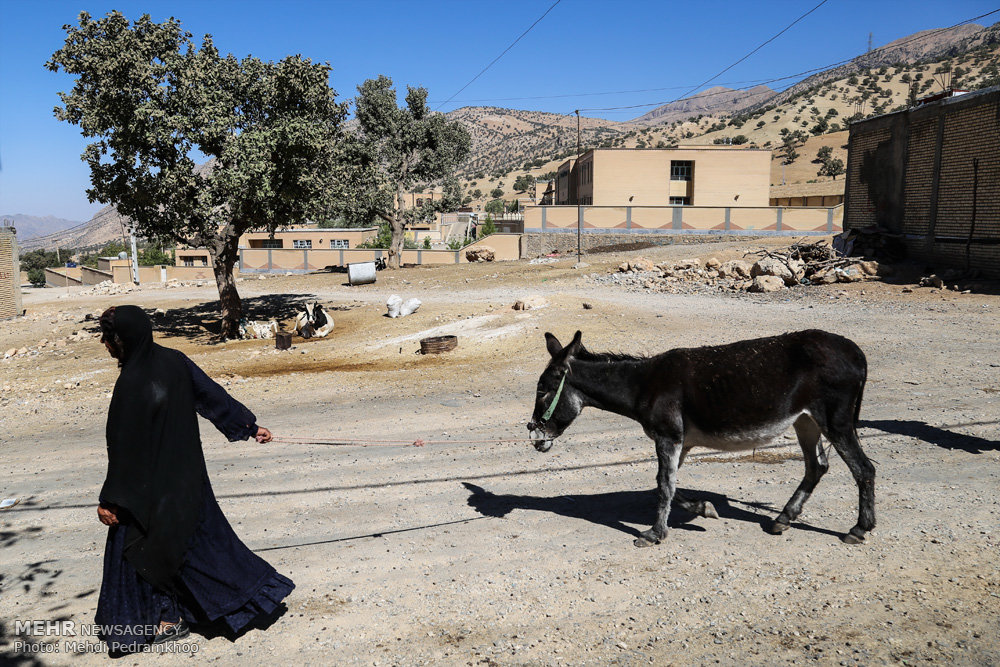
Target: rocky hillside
(103, 227)
(32, 226)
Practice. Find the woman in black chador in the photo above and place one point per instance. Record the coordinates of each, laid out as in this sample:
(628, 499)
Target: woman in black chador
(172, 560)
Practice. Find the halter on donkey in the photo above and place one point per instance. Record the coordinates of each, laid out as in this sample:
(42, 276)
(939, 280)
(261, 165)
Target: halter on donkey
(728, 397)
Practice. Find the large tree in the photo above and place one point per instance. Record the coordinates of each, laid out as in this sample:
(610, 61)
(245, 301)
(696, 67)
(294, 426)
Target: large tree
(395, 149)
(155, 104)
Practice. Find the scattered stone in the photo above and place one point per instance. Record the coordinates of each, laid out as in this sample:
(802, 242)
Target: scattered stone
(483, 253)
(827, 277)
(771, 266)
(713, 263)
(587, 306)
(767, 283)
(530, 303)
(10, 353)
(932, 281)
(850, 274)
(735, 268)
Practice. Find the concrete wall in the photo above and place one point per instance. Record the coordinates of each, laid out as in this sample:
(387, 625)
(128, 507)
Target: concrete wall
(914, 173)
(253, 260)
(683, 219)
(10, 276)
(535, 245)
(320, 237)
(63, 277)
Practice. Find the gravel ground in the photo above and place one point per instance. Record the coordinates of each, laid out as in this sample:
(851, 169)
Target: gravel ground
(495, 553)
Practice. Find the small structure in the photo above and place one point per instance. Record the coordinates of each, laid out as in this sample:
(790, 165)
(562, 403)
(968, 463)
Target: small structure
(10, 275)
(930, 175)
(824, 194)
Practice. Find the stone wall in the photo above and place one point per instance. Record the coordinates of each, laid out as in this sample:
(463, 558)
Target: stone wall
(535, 245)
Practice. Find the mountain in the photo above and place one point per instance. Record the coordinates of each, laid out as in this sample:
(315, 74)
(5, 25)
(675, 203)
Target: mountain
(31, 226)
(717, 100)
(103, 227)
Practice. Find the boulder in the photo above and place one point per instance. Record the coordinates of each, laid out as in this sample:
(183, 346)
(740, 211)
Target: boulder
(735, 268)
(690, 263)
(767, 284)
(827, 277)
(483, 253)
(624, 267)
(769, 266)
(530, 303)
(798, 269)
(850, 274)
(713, 263)
(10, 353)
(642, 264)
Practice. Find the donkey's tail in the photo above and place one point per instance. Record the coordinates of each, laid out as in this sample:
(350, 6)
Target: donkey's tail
(861, 391)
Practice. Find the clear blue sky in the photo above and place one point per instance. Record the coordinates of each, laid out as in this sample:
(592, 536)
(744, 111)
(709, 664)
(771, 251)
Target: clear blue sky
(581, 46)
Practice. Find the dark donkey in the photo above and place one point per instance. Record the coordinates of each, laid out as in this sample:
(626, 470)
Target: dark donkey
(725, 397)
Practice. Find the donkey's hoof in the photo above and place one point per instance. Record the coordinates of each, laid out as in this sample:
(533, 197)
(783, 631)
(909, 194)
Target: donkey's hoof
(708, 511)
(851, 538)
(646, 539)
(778, 527)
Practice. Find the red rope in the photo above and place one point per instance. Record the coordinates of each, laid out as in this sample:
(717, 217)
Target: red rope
(370, 442)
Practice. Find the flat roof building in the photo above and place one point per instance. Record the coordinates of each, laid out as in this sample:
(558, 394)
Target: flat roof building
(684, 176)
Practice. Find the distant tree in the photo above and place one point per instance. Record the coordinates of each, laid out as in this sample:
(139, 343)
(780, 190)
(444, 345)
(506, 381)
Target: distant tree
(153, 255)
(427, 243)
(488, 227)
(395, 148)
(823, 154)
(495, 206)
(477, 194)
(524, 183)
(154, 103)
(496, 193)
(36, 277)
(832, 167)
(39, 260)
(740, 139)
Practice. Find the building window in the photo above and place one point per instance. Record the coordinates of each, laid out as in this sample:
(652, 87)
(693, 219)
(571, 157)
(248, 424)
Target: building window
(189, 261)
(272, 243)
(339, 243)
(298, 243)
(680, 170)
(420, 202)
(204, 261)
(680, 201)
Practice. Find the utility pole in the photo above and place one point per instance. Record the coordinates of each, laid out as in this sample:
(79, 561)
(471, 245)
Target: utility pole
(135, 259)
(579, 213)
(869, 43)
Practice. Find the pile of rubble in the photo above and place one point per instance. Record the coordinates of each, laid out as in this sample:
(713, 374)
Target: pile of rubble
(46, 344)
(773, 270)
(108, 287)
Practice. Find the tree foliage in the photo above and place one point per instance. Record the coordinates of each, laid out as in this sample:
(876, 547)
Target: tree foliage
(495, 206)
(153, 103)
(831, 167)
(394, 149)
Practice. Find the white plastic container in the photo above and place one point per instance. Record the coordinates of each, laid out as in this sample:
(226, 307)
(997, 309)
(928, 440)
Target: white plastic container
(361, 273)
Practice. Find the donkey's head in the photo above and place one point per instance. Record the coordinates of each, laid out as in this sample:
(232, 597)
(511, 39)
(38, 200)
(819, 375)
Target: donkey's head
(557, 403)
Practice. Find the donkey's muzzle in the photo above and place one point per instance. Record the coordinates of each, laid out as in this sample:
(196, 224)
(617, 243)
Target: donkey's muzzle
(539, 439)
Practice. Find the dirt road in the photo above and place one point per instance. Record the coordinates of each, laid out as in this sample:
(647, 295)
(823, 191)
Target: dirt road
(495, 553)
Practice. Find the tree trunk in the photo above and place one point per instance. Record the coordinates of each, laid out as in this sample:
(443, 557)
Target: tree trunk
(396, 245)
(229, 299)
(396, 226)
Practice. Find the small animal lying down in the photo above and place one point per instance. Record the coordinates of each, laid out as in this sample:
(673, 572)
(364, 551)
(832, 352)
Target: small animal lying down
(313, 322)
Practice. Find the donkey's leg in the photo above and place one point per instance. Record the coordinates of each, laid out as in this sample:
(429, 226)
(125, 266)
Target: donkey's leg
(668, 454)
(845, 439)
(699, 507)
(808, 433)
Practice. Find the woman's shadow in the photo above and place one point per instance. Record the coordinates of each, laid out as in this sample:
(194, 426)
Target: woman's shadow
(619, 508)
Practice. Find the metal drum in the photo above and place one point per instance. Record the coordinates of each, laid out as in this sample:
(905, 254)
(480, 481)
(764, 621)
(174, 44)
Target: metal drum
(361, 273)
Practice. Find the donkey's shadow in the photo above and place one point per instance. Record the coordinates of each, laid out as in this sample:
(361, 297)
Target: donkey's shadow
(619, 508)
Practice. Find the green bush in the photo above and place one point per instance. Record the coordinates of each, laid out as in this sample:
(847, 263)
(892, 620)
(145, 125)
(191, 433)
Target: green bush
(36, 277)
(427, 243)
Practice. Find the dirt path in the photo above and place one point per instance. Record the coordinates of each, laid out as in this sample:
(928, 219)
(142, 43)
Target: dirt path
(496, 554)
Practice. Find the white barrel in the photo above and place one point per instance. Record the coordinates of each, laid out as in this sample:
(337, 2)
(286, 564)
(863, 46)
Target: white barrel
(361, 273)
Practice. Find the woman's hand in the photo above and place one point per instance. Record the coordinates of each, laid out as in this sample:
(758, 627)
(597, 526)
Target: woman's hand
(108, 515)
(263, 435)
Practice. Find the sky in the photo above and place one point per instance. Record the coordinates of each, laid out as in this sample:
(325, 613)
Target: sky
(586, 54)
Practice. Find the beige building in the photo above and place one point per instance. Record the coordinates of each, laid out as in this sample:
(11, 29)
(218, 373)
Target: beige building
(826, 193)
(10, 275)
(299, 238)
(685, 176)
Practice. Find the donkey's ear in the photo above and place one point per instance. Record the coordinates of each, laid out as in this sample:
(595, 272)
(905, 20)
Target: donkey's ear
(576, 345)
(552, 344)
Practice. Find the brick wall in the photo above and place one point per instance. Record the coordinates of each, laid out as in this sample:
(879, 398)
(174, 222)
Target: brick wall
(947, 210)
(10, 276)
(535, 245)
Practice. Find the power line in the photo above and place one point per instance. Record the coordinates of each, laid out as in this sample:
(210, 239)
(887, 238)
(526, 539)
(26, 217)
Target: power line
(758, 48)
(493, 62)
(862, 57)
